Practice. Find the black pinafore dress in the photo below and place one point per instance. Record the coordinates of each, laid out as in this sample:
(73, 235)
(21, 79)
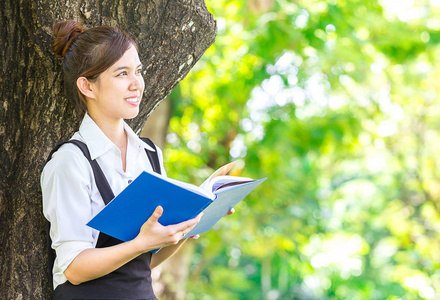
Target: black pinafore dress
(132, 280)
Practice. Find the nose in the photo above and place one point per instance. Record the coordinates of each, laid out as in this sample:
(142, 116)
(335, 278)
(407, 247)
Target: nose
(137, 83)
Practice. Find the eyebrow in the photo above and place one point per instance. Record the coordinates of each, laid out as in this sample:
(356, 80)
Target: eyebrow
(125, 67)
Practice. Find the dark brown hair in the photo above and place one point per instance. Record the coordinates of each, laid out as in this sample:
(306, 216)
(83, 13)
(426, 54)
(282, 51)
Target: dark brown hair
(87, 53)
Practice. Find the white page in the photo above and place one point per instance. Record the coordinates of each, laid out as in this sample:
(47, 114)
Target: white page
(223, 170)
(191, 187)
(219, 181)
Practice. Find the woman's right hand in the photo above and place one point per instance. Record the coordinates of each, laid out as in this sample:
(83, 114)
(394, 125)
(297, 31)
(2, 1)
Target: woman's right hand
(154, 235)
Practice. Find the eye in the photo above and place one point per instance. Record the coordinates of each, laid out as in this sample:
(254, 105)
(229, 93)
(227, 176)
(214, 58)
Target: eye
(122, 73)
(139, 71)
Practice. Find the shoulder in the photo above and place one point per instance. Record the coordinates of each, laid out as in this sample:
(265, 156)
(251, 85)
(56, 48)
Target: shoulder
(68, 149)
(67, 159)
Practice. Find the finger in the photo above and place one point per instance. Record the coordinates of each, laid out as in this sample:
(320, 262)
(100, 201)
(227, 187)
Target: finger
(197, 220)
(185, 226)
(156, 214)
(230, 212)
(199, 216)
(193, 221)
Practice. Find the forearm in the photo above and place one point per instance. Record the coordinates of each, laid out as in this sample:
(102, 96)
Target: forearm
(165, 253)
(96, 262)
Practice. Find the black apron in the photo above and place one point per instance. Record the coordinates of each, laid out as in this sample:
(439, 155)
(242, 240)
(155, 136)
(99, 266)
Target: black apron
(132, 280)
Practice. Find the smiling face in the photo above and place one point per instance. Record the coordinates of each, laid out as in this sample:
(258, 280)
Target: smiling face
(117, 92)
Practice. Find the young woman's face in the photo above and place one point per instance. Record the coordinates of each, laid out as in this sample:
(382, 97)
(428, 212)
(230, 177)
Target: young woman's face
(118, 90)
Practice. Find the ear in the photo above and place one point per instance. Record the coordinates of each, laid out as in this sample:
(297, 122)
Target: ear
(85, 87)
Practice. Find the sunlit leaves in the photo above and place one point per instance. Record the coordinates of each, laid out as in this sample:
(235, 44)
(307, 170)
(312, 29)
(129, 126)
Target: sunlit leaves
(336, 102)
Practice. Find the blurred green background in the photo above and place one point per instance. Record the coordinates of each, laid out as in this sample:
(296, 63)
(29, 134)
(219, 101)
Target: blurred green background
(336, 102)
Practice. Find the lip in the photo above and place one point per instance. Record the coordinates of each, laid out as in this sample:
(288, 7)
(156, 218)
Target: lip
(133, 100)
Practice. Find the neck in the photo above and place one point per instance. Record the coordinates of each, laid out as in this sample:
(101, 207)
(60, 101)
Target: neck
(113, 129)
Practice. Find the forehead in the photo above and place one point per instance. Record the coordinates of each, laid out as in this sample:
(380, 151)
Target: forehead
(130, 57)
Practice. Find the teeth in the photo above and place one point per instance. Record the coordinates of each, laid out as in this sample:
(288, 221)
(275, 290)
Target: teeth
(132, 100)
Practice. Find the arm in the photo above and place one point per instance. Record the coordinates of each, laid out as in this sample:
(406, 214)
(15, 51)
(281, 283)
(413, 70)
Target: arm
(96, 262)
(165, 253)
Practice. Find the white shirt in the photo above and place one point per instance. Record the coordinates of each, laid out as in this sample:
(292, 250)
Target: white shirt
(70, 195)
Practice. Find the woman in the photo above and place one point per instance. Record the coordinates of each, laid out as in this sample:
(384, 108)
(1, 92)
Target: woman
(103, 75)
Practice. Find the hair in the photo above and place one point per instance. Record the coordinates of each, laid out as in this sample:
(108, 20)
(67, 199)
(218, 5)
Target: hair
(87, 52)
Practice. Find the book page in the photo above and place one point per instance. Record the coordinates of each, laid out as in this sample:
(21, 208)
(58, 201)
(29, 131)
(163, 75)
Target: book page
(191, 187)
(224, 170)
(221, 182)
(229, 185)
(207, 185)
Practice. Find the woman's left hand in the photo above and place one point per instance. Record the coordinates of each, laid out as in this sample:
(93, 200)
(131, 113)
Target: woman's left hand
(230, 212)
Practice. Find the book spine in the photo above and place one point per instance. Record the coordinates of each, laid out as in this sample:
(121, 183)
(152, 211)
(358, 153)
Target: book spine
(200, 210)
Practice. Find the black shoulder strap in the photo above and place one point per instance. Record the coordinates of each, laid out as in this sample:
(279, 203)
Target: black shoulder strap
(152, 155)
(101, 182)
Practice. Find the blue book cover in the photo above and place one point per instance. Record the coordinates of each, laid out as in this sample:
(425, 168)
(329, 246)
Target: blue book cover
(123, 217)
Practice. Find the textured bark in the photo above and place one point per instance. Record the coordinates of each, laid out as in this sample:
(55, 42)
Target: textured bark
(34, 114)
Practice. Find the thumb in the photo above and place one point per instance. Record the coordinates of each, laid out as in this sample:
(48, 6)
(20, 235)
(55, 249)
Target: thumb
(156, 214)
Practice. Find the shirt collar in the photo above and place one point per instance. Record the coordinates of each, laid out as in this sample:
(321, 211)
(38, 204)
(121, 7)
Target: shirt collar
(98, 143)
(133, 138)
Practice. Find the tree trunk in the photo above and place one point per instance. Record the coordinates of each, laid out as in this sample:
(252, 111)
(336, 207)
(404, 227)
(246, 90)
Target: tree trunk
(34, 116)
(156, 127)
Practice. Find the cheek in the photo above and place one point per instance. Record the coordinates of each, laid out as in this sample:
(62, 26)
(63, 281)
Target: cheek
(117, 87)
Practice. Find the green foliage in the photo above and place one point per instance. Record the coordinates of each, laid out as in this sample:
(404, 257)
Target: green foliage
(336, 102)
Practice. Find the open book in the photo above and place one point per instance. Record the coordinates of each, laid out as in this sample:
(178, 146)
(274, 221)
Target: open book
(123, 217)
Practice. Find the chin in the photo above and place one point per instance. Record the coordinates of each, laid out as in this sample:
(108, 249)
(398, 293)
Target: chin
(129, 116)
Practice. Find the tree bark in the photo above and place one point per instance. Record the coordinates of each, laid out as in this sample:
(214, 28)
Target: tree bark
(34, 114)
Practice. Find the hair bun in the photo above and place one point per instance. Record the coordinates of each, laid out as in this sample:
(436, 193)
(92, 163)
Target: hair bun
(65, 33)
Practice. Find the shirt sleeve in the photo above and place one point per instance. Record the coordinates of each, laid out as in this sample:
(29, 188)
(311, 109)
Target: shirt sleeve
(66, 188)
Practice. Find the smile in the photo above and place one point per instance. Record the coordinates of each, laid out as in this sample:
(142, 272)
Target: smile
(133, 101)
